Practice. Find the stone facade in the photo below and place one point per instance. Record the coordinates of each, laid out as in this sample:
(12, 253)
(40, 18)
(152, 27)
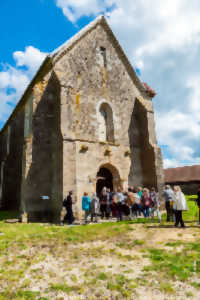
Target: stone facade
(84, 114)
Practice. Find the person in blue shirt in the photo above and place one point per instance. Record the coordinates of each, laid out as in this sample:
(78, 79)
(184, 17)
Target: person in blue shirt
(140, 192)
(86, 205)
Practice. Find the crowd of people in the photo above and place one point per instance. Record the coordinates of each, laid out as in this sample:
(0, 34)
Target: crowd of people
(130, 204)
(119, 204)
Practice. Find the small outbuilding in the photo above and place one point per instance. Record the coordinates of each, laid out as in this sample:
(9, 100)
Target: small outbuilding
(187, 177)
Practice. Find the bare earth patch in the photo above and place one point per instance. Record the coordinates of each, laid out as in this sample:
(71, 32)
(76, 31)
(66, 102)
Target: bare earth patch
(130, 261)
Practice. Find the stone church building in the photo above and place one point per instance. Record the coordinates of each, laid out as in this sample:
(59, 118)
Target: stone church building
(84, 122)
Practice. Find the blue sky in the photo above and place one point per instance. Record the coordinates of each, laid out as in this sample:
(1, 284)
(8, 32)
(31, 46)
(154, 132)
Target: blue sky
(160, 38)
(39, 23)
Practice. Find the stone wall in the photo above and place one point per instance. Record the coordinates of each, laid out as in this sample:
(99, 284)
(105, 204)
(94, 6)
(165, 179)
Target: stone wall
(88, 81)
(43, 159)
(60, 141)
(11, 141)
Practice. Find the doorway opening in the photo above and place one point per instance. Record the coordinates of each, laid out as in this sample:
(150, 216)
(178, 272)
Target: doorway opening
(107, 176)
(105, 179)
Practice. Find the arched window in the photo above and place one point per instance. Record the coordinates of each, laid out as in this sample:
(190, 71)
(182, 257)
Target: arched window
(106, 126)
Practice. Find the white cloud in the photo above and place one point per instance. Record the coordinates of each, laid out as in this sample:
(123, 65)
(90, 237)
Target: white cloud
(14, 80)
(73, 10)
(169, 163)
(31, 58)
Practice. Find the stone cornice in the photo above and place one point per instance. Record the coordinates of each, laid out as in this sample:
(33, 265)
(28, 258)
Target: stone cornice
(91, 142)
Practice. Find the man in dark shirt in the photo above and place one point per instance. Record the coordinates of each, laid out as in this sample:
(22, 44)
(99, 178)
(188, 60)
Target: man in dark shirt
(67, 203)
(198, 201)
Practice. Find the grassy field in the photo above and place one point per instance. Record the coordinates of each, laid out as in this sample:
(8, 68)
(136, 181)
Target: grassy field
(140, 259)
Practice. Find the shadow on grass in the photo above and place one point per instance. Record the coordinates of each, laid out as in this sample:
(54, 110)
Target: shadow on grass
(172, 226)
(140, 221)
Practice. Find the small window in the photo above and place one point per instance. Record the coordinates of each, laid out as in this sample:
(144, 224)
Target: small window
(103, 53)
(106, 125)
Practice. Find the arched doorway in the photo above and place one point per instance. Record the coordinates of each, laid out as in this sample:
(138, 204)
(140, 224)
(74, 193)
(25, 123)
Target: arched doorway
(107, 176)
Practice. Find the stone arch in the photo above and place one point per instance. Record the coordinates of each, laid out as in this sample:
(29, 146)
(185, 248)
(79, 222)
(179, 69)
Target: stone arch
(105, 122)
(143, 171)
(108, 175)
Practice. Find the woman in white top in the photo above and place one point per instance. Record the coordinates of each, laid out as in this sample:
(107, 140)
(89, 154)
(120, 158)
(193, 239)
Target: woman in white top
(179, 205)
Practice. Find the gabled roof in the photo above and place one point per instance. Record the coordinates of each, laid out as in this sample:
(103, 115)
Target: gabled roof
(63, 49)
(182, 174)
(54, 56)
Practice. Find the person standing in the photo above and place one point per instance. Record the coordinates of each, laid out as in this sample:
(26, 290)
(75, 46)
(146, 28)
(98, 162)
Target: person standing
(104, 202)
(120, 204)
(95, 207)
(168, 195)
(86, 205)
(137, 206)
(140, 191)
(130, 201)
(179, 205)
(146, 202)
(198, 201)
(114, 206)
(109, 203)
(126, 206)
(156, 203)
(67, 203)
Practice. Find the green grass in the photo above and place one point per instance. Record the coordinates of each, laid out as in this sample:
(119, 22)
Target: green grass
(19, 295)
(102, 276)
(64, 288)
(195, 285)
(167, 288)
(167, 266)
(21, 234)
(175, 265)
(192, 213)
(122, 284)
